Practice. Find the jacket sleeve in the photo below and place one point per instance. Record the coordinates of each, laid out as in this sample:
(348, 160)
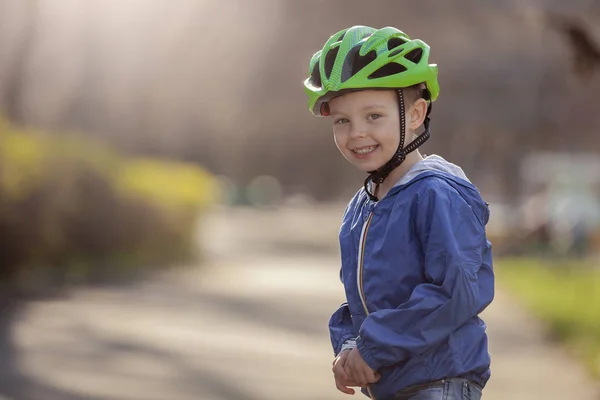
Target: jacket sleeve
(341, 330)
(453, 241)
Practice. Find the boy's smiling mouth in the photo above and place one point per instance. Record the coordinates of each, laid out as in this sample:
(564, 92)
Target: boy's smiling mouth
(363, 151)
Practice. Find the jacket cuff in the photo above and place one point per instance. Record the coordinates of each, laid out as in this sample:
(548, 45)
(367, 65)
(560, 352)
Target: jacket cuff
(348, 345)
(367, 354)
(342, 344)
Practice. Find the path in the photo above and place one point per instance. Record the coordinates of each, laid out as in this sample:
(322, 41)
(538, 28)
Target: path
(250, 325)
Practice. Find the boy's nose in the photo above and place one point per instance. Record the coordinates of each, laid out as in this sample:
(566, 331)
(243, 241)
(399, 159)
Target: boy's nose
(357, 131)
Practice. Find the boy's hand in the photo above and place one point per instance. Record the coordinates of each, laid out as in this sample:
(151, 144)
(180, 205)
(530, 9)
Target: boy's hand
(342, 380)
(358, 370)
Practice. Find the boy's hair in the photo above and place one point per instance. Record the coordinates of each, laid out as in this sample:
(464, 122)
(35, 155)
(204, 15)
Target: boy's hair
(413, 93)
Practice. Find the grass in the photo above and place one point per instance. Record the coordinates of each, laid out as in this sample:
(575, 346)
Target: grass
(563, 294)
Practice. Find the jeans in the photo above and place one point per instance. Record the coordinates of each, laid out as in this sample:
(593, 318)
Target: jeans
(447, 389)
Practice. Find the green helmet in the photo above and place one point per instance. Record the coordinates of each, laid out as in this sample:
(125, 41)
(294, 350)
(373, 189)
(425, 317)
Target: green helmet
(362, 57)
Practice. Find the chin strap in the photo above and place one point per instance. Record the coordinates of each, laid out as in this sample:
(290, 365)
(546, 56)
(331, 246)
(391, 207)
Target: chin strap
(379, 176)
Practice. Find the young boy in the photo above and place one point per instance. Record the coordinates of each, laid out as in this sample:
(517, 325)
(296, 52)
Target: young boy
(416, 263)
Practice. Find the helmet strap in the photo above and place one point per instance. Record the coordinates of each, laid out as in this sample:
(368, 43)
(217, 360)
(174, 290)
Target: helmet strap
(379, 176)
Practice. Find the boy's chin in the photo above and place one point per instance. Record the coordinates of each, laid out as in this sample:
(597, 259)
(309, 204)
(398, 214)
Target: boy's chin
(367, 168)
(364, 165)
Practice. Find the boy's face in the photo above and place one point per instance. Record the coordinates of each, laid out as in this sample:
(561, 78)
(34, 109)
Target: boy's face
(366, 127)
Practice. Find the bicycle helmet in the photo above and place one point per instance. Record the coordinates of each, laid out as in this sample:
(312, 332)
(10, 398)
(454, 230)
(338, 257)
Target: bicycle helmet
(361, 58)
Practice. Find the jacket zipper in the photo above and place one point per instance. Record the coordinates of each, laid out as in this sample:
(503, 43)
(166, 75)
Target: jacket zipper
(359, 274)
(361, 257)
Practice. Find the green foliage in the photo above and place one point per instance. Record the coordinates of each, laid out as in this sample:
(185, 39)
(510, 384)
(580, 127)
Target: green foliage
(78, 208)
(565, 295)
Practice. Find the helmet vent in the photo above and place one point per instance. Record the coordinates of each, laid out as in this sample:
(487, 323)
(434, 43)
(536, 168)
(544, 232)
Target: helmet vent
(330, 60)
(395, 42)
(359, 62)
(354, 62)
(387, 70)
(315, 76)
(414, 55)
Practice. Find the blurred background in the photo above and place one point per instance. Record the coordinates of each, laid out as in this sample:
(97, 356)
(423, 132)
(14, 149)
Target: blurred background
(169, 208)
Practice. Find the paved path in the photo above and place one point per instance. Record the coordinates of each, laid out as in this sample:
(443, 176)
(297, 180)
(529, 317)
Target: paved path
(238, 328)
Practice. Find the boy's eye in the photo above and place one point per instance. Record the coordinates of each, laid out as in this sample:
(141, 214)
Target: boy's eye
(341, 121)
(374, 116)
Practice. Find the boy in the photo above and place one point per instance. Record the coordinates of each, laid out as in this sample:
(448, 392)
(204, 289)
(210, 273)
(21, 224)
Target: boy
(416, 263)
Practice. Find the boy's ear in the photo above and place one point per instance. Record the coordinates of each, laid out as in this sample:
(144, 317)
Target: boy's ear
(416, 114)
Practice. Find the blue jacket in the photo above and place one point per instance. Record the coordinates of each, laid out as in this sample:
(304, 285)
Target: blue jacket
(417, 271)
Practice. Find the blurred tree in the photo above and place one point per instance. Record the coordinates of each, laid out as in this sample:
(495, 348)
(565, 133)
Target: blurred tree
(14, 74)
(585, 52)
